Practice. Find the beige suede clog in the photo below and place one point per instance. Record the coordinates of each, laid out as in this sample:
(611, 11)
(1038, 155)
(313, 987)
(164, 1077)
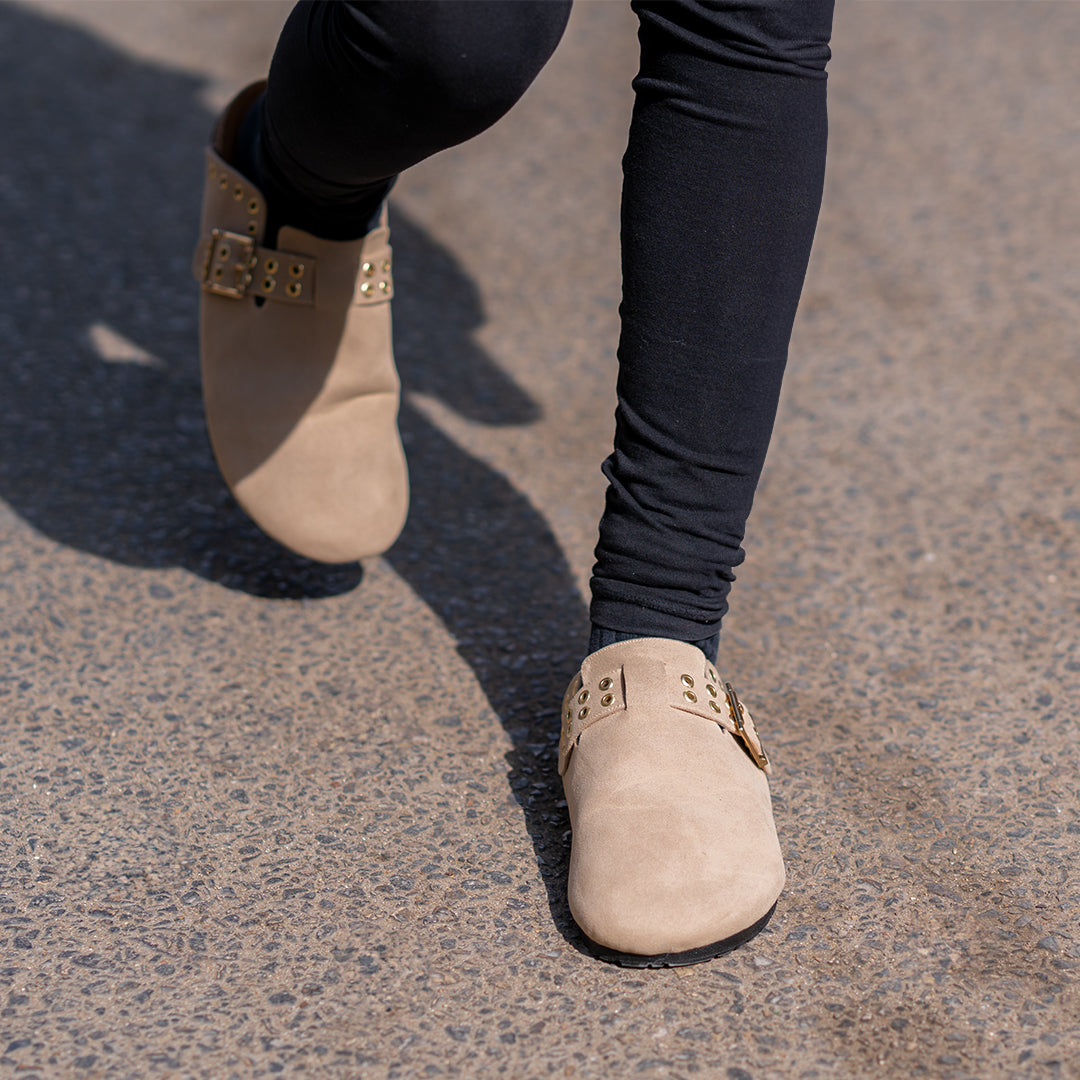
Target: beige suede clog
(299, 383)
(675, 857)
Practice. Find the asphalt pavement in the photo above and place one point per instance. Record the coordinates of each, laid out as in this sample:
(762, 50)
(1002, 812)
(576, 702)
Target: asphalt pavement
(260, 817)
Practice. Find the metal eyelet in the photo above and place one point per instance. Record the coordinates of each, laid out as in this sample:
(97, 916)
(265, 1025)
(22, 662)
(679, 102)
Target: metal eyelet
(383, 286)
(268, 284)
(689, 695)
(606, 683)
(715, 707)
(687, 680)
(271, 266)
(368, 269)
(582, 713)
(711, 689)
(238, 193)
(583, 697)
(386, 267)
(607, 699)
(297, 270)
(253, 206)
(293, 288)
(365, 289)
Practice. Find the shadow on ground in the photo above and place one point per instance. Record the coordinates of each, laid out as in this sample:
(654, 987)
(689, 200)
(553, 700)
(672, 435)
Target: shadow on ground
(102, 441)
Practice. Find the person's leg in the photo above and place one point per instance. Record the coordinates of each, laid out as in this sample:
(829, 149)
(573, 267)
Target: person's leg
(299, 383)
(359, 91)
(723, 178)
(675, 855)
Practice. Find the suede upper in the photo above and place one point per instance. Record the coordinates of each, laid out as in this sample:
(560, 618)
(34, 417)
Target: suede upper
(674, 845)
(299, 383)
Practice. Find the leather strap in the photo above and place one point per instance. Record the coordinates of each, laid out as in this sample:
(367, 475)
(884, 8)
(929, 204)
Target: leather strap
(703, 695)
(235, 266)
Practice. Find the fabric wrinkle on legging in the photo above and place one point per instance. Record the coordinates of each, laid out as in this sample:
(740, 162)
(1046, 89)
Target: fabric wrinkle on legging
(723, 175)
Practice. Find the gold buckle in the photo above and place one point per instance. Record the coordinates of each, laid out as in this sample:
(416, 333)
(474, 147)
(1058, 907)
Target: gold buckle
(737, 710)
(229, 259)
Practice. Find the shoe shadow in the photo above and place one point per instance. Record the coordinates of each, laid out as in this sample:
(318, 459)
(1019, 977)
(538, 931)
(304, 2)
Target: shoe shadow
(103, 446)
(102, 441)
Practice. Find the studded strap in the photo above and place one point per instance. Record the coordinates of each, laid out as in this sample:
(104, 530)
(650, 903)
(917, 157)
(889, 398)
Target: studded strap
(702, 694)
(230, 262)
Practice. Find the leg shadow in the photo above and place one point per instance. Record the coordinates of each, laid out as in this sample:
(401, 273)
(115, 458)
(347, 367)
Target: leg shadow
(486, 563)
(476, 550)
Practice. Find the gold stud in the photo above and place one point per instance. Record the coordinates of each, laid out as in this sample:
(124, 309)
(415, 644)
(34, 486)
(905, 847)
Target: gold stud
(714, 707)
(297, 270)
(366, 288)
(369, 269)
(711, 689)
(582, 713)
(606, 684)
(583, 697)
(688, 680)
(386, 267)
(271, 266)
(294, 288)
(607, 699)
(689, 695)
(253, 206)
(383, 287)
(268, 284)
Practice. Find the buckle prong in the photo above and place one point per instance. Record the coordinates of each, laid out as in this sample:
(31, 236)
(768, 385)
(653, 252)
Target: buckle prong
(738, 711)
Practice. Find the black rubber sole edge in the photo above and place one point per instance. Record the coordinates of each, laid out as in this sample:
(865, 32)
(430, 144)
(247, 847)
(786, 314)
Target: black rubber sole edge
(681, 959)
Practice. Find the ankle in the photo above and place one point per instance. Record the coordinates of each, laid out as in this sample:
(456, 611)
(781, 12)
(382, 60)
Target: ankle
(348, 215)
(601, 636)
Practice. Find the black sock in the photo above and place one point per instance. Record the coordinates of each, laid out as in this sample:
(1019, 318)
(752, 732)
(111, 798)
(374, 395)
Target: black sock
(600, 636)
(354, 216)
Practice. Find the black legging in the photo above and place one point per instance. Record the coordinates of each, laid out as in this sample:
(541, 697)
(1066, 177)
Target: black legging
(722, 185)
